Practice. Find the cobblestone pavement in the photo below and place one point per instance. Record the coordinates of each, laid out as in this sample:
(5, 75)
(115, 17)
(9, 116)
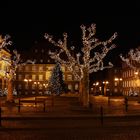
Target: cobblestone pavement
(67, 120)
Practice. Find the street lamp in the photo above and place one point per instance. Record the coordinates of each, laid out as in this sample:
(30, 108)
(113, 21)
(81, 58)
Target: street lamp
(36, 85)
(118, 85)
(105, 83)
(27, 81)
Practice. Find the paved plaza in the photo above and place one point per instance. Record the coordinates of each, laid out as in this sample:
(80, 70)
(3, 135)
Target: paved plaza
(67, 119)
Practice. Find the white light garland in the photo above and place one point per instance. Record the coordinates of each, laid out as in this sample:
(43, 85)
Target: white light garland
(90, 42)
(133, 56)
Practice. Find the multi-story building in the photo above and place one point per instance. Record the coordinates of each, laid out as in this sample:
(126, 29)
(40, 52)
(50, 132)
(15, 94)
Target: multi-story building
(131, 81)
(33, 78)
(4, 65)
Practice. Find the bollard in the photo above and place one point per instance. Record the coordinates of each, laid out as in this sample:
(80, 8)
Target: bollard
(19, 105)
(52, 101)
(35, 102)
(101, 111)
(126, 104)
(0, 117)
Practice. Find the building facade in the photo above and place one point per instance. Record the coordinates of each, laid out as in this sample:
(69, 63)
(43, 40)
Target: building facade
(131, 81)
(4, 65)
(33, 79)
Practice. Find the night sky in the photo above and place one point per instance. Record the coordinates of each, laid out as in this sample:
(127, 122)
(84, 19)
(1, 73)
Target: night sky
(27, 22)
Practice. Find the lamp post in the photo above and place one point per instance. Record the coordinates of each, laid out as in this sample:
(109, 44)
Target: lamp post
(27, 81)
(95, 88)
(136, 73)
(105, 83)
(118, 84)
(36, 86)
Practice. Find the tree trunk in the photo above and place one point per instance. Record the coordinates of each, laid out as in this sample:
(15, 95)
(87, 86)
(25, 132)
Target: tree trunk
(10, 91)
(85, 88)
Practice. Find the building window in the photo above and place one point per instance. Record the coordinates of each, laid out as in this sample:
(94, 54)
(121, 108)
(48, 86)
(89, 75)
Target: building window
(26, 68)
(115, 84)
(41, 68)
(20, 68)
(19, 86)
(48, 74)
(41, 77)
(26, 76)
(50, 68)
(69, 77)
(34, 68)
(76, 86)
(20, 77)
(33, 77)
(69, 86)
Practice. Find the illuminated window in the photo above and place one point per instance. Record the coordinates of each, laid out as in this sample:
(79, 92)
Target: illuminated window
(41, 60)
(33, 77)
(69, 86)
(50, 68)
(48, 74)
(40, 77)
(41, 68)
(69, 77)
(34, 68)
(76, 86)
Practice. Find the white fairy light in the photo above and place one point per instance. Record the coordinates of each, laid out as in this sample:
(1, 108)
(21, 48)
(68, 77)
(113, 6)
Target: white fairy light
(86, 63)
(92, 63)
(132, 58)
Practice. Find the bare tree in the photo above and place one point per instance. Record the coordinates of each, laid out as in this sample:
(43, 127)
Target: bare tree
(132, 59)
(13, 63)
(84, 61)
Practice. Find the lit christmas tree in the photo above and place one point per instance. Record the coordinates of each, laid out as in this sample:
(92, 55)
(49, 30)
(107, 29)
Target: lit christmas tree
(85, 62)
(56, 83)
(13, 62)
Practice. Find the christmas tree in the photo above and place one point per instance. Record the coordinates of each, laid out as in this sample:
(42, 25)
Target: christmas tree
(56, 83)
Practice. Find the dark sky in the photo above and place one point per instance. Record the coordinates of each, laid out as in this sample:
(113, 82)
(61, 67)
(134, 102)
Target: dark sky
(27, 22)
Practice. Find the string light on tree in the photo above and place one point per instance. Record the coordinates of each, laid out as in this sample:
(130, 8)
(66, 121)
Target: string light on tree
(85, 62)
(14, 62)
(133, 58)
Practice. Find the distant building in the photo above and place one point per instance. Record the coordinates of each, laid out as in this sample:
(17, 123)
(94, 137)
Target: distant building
(131, 81)
(33, 78)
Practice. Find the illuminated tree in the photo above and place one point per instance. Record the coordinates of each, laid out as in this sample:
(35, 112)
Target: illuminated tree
(56, 83)
(13, 62)
(133, 58)
(84, 61)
